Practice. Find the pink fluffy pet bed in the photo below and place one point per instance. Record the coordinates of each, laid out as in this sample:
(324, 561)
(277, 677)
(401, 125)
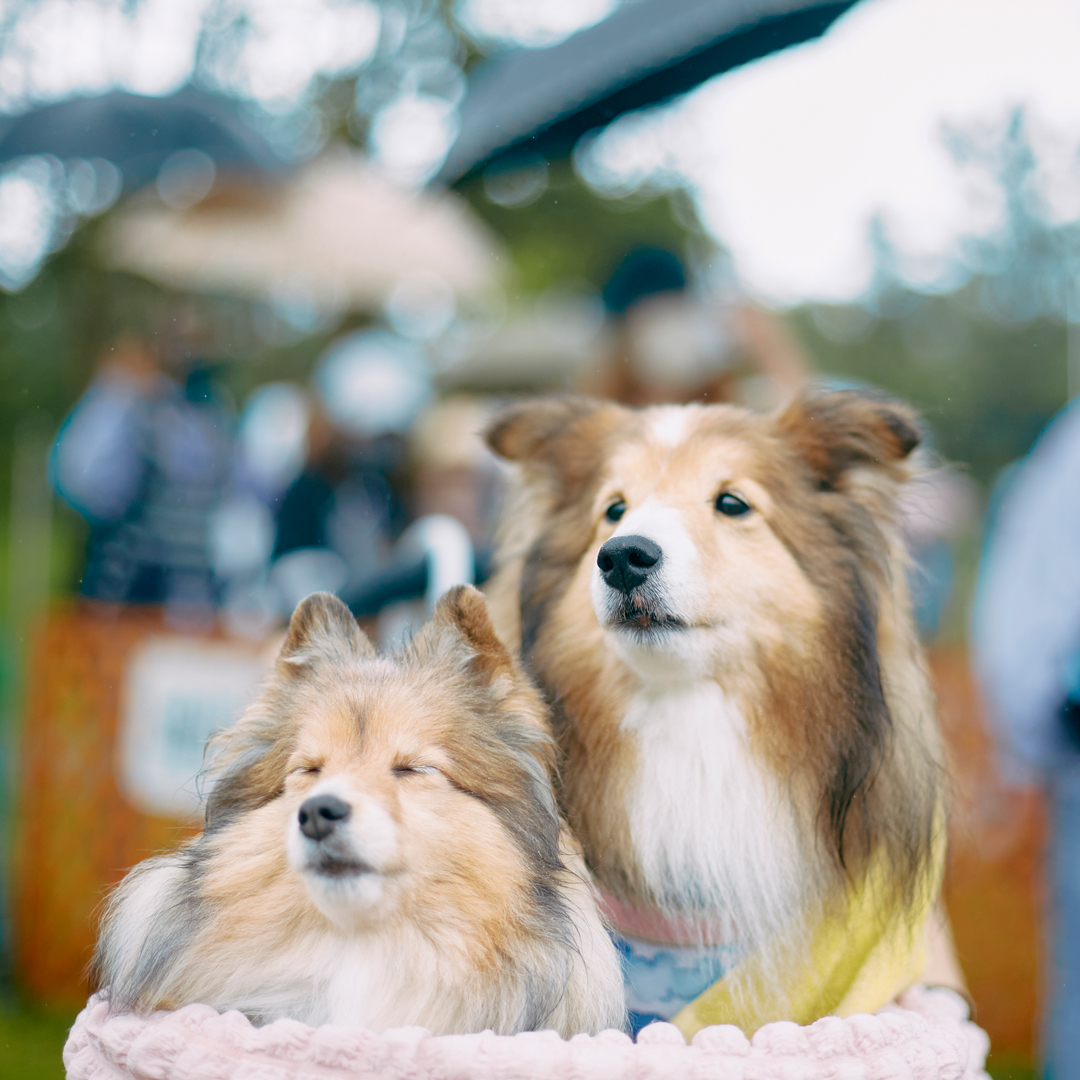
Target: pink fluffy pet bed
(927, 1037)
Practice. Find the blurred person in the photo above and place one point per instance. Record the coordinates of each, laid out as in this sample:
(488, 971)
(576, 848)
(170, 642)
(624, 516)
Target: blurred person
(271, 441)
(669, 345)
(653, 342)
(270, 452)
(144, 458)
(937, 508)
(454, 473)
(340, 516)
(347, 499)
(1026, 635)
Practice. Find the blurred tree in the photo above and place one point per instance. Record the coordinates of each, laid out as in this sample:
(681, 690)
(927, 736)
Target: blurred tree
(368, 72)
(1029, 265)
(986, 388)
(988, 361)
(564, 230)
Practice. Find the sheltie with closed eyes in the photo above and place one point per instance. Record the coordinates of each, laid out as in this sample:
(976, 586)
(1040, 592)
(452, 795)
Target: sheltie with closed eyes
(715, 605)
(381, 848)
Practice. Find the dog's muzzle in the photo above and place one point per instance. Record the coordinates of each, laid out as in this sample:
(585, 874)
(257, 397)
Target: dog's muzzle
(629, 568)
(322, 819)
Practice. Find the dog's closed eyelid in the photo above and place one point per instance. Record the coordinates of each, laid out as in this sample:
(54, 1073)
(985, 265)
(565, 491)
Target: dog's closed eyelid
(310, 770)
(413, 769)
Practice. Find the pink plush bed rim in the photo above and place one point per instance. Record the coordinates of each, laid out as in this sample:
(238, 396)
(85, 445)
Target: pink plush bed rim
(926, 1036)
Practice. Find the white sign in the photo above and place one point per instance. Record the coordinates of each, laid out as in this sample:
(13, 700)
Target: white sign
(177, 693)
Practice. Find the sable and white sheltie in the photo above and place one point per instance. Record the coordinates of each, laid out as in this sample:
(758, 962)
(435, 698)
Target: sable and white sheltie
(715, 604)
(381, 848)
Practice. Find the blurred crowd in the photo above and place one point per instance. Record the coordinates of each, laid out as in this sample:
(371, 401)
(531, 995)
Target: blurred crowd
(370, 482)
(200, 507)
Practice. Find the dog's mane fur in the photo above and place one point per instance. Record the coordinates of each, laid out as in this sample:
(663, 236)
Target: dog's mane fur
(844, 724)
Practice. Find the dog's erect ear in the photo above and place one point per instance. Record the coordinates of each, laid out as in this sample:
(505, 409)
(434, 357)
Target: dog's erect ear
(842, 430)
(322, 628)
(462, 634)
(461, 629)
(566, 433)
(464, 611)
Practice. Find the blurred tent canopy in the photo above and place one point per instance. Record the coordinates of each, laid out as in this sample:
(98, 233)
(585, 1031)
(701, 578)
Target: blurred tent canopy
(336, 234)
(529, 102)
(139, 134)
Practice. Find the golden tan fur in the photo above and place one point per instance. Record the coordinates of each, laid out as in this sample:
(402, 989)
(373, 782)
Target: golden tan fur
(446, 898)
(791, 629)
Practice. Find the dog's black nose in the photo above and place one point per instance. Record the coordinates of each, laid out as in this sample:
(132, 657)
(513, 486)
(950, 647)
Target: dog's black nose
(626, 561)
(319, 814)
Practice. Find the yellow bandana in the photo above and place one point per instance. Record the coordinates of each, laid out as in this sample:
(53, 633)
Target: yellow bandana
(856, 962)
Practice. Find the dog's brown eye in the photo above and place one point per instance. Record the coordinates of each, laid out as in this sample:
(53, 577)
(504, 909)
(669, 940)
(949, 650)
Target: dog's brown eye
(731, 505)
(306, 770)
(616, 510)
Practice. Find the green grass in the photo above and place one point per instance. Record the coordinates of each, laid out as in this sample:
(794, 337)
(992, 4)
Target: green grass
(31, 1041)
(1008, 1067)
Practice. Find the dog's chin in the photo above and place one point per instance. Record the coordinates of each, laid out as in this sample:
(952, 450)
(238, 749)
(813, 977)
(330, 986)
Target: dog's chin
(656, 644)
(646, 625)
(349, 893)
(347, 890)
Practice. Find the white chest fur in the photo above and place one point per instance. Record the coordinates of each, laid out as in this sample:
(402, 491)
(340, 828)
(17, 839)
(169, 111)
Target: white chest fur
(374, 981)
(713, 830)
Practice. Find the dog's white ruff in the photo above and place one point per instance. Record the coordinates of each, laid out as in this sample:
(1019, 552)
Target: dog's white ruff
(705, 814)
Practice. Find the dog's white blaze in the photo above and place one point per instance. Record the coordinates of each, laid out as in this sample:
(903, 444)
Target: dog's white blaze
(667, 424)
(373, 832)
(705, 815)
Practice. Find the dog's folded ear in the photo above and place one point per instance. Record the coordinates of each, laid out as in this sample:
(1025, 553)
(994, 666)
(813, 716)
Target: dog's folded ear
(565, 433)
(834, 432)
(322, 628)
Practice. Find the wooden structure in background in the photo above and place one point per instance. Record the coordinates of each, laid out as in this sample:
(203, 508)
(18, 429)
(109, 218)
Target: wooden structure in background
(76, 835)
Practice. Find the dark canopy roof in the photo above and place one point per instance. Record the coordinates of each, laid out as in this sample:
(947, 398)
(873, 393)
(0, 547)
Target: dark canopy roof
(137, 133)
(541, 101)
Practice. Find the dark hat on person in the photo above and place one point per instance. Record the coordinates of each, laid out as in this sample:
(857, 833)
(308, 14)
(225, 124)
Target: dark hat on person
(645, 271)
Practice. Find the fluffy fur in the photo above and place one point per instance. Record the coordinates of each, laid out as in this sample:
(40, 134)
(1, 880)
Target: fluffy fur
(751, 727)
(450, 897)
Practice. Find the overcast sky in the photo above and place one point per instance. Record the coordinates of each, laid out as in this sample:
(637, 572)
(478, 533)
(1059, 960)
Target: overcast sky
(791, 156)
